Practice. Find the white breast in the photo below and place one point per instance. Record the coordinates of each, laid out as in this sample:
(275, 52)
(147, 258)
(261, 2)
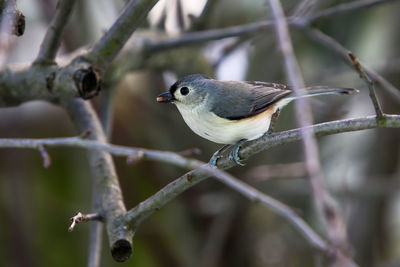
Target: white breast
(223, 131)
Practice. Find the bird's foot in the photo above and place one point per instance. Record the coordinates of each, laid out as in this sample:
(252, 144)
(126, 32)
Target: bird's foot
(217, 155)
(235, 152)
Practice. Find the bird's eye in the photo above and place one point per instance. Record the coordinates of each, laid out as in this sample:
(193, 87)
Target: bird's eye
(184, 90)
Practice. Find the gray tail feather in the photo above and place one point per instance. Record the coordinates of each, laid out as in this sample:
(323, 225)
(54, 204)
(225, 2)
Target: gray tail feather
(321, 90)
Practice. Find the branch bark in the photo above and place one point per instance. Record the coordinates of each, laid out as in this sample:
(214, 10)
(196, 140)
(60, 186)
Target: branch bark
(11, 18)
(48, 82)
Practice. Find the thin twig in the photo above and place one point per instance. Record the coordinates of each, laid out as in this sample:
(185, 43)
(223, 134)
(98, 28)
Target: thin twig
(80, 217)
(52, 39)
(341, 51)
(195, 38)
(346, 7)
(332, 219)
(305, 7)
(107, 48)
(372, 95)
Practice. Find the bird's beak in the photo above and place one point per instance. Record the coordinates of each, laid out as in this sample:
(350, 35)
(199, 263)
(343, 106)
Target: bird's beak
(166, 97)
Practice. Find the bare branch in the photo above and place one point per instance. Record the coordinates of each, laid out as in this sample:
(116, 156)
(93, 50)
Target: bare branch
(332, 219)
(52, 39)
(249, 149)
(96, 229)
(135, 216)
(107, 48)
(105, 179)
(374, 99)
(169, 192)
(49, 82)
(80, 217)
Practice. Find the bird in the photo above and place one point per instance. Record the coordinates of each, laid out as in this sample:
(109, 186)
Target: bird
(233, 112)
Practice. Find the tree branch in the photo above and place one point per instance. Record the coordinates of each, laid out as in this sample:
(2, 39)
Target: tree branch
(249, 149)
(105, 179)
(169, 192)
(96, 229)
(49, 82)
(107, 48)
(52, 39)
(332, 219)
(136, 215)
(194, 38)
(257, 196)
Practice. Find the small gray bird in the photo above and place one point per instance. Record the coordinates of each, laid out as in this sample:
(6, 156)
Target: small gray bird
(230, 112)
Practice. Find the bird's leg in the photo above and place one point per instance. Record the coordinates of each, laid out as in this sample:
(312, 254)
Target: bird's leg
(216, 155)
(235, 150)
(274, 118)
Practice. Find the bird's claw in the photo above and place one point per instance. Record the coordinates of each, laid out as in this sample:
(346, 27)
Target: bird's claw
(214, 159)
(217, 155)
(234, 154)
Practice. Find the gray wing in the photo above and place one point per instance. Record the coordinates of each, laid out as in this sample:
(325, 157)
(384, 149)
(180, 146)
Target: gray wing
(239, 100)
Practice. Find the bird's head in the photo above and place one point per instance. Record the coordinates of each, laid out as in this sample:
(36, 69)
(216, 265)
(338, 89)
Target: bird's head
(190, 91)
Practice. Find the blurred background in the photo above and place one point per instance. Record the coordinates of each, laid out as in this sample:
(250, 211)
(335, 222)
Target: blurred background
(209, 225)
